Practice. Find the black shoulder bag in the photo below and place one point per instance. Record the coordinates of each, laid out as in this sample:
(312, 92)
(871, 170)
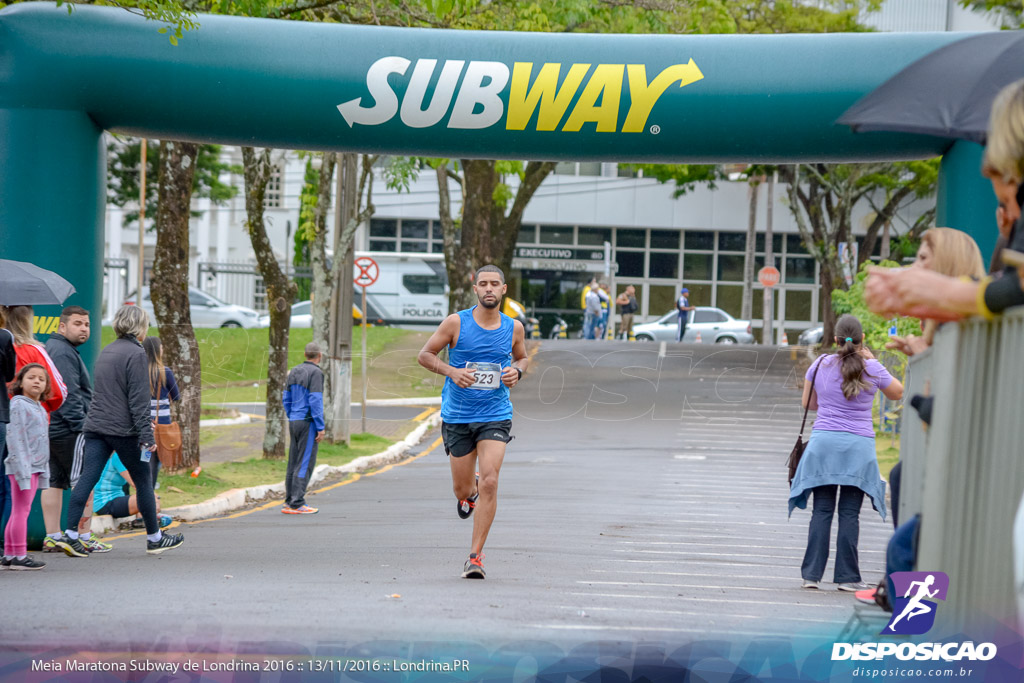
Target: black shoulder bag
(798, 450)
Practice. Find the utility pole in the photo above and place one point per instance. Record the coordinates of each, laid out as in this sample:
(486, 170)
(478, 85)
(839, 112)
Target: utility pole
(768, 309)
(340, 351)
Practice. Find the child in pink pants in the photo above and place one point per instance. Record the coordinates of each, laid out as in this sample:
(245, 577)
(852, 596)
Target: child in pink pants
(27, 462)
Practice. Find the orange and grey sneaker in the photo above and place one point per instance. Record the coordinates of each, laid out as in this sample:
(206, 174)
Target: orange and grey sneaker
(303, 510)
(474, 568)
(465, 507)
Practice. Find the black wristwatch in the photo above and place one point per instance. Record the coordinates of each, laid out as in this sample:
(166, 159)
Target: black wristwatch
(520, 374)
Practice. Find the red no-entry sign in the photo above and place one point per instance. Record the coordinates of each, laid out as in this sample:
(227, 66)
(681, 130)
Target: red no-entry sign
(366, 271)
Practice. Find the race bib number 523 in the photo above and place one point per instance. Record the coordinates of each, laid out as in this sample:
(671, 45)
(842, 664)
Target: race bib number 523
(485, 375)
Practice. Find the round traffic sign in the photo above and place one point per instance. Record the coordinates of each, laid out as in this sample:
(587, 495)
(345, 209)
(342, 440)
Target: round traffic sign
(366, 271)
(769, 276)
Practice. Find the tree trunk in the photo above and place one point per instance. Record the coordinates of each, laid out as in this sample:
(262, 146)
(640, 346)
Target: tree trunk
(488, 235)
(169, 287)
(747, 308)
(829, 278)
(318, 255)
(280, 294)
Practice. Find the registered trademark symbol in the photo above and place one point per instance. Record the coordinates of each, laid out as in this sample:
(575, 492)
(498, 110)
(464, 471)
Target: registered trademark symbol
(655, 129)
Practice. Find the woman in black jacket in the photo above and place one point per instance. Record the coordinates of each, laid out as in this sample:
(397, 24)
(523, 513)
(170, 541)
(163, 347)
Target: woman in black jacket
(119, 421)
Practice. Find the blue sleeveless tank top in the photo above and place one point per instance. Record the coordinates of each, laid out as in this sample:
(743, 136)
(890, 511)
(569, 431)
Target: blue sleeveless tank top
(477, 345)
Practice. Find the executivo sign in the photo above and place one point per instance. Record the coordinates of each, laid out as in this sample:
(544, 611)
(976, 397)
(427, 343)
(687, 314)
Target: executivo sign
(553, 96)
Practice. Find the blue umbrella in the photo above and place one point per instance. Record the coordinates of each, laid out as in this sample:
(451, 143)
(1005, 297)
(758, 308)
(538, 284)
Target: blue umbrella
(23, 284)
(947, 93)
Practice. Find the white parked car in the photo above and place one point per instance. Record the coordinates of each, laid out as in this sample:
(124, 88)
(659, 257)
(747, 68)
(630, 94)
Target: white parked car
(715, 327)
(302, 315)
(207, 310)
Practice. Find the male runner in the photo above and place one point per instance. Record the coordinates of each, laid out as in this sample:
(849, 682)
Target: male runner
(486, 357)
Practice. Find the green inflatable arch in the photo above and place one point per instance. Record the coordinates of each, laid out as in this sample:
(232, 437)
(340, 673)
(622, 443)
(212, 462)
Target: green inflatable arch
(66, 78)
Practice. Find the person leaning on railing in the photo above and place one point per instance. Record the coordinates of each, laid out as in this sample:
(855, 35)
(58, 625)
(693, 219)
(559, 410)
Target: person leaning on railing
(925, 294)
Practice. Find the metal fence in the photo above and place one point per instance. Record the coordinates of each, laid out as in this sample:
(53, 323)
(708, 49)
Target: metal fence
(240, 282)
(965, 474)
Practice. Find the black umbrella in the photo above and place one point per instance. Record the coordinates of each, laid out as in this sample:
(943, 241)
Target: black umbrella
(947, 93)
(22, 284)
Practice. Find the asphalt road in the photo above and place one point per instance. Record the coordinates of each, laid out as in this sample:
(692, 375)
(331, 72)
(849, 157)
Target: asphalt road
(643, 499)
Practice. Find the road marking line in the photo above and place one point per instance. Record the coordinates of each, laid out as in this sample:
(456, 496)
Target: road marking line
(661, 350)
(424, 415)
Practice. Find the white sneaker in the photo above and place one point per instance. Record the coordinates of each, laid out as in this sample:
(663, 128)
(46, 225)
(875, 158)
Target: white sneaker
(810, 585)
(853, 587)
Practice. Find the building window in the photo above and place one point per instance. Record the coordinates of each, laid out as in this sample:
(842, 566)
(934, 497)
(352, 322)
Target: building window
(415, 246)
(274, 195)
(382, 245)
(732, 241)
(527, 234)
(631, 238)
(699, 240)
(730, 299)
(776, 244)
(589, 168)
(594, 236)
(730, 267)
(665, 265)
(798, 305)
(661, 299)
(665, 239)
(556, 234)
(799, 271)
(381, 227)
(795, 245)
(700, 295)
(631, 263)
(565, 168)
(697, 266)
(416, 230)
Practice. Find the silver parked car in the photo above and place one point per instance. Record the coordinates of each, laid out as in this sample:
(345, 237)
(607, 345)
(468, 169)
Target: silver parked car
(302, 315)
(811, 336)
(715, 327)
(207, 310)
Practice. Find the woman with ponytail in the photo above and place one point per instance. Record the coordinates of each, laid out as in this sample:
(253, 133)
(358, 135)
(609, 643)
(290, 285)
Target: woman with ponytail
(840, 455)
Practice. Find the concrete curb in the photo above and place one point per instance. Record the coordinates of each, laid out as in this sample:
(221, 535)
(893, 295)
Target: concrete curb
(237, 498)
(378, 402)
(241, 420)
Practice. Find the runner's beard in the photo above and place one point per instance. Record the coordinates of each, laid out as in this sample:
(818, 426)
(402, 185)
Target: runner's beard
(485, 304)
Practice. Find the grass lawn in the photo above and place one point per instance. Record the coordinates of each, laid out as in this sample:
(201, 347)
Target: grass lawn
(887, 455)
(235, 362)
(219, 477)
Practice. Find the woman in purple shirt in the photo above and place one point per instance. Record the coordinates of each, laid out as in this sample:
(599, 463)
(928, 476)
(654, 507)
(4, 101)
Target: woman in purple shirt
(841, 453)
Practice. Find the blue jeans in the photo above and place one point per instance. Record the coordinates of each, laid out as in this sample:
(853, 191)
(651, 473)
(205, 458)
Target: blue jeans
(589, 319)
(847, 569)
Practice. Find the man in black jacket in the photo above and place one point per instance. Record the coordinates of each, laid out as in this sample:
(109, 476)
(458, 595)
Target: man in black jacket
(66, 427)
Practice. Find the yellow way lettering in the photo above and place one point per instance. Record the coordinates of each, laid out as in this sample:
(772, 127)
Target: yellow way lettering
(606, 84)
(45, 325)
(643, 96)
(523, 100)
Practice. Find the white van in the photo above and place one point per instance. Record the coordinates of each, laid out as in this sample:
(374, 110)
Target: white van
(411, 291)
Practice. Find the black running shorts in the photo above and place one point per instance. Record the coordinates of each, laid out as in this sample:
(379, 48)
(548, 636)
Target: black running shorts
(65, 460)
(117, 508)
(461, 438)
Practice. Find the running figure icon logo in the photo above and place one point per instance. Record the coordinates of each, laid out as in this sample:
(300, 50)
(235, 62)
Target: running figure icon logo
(913, 611)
